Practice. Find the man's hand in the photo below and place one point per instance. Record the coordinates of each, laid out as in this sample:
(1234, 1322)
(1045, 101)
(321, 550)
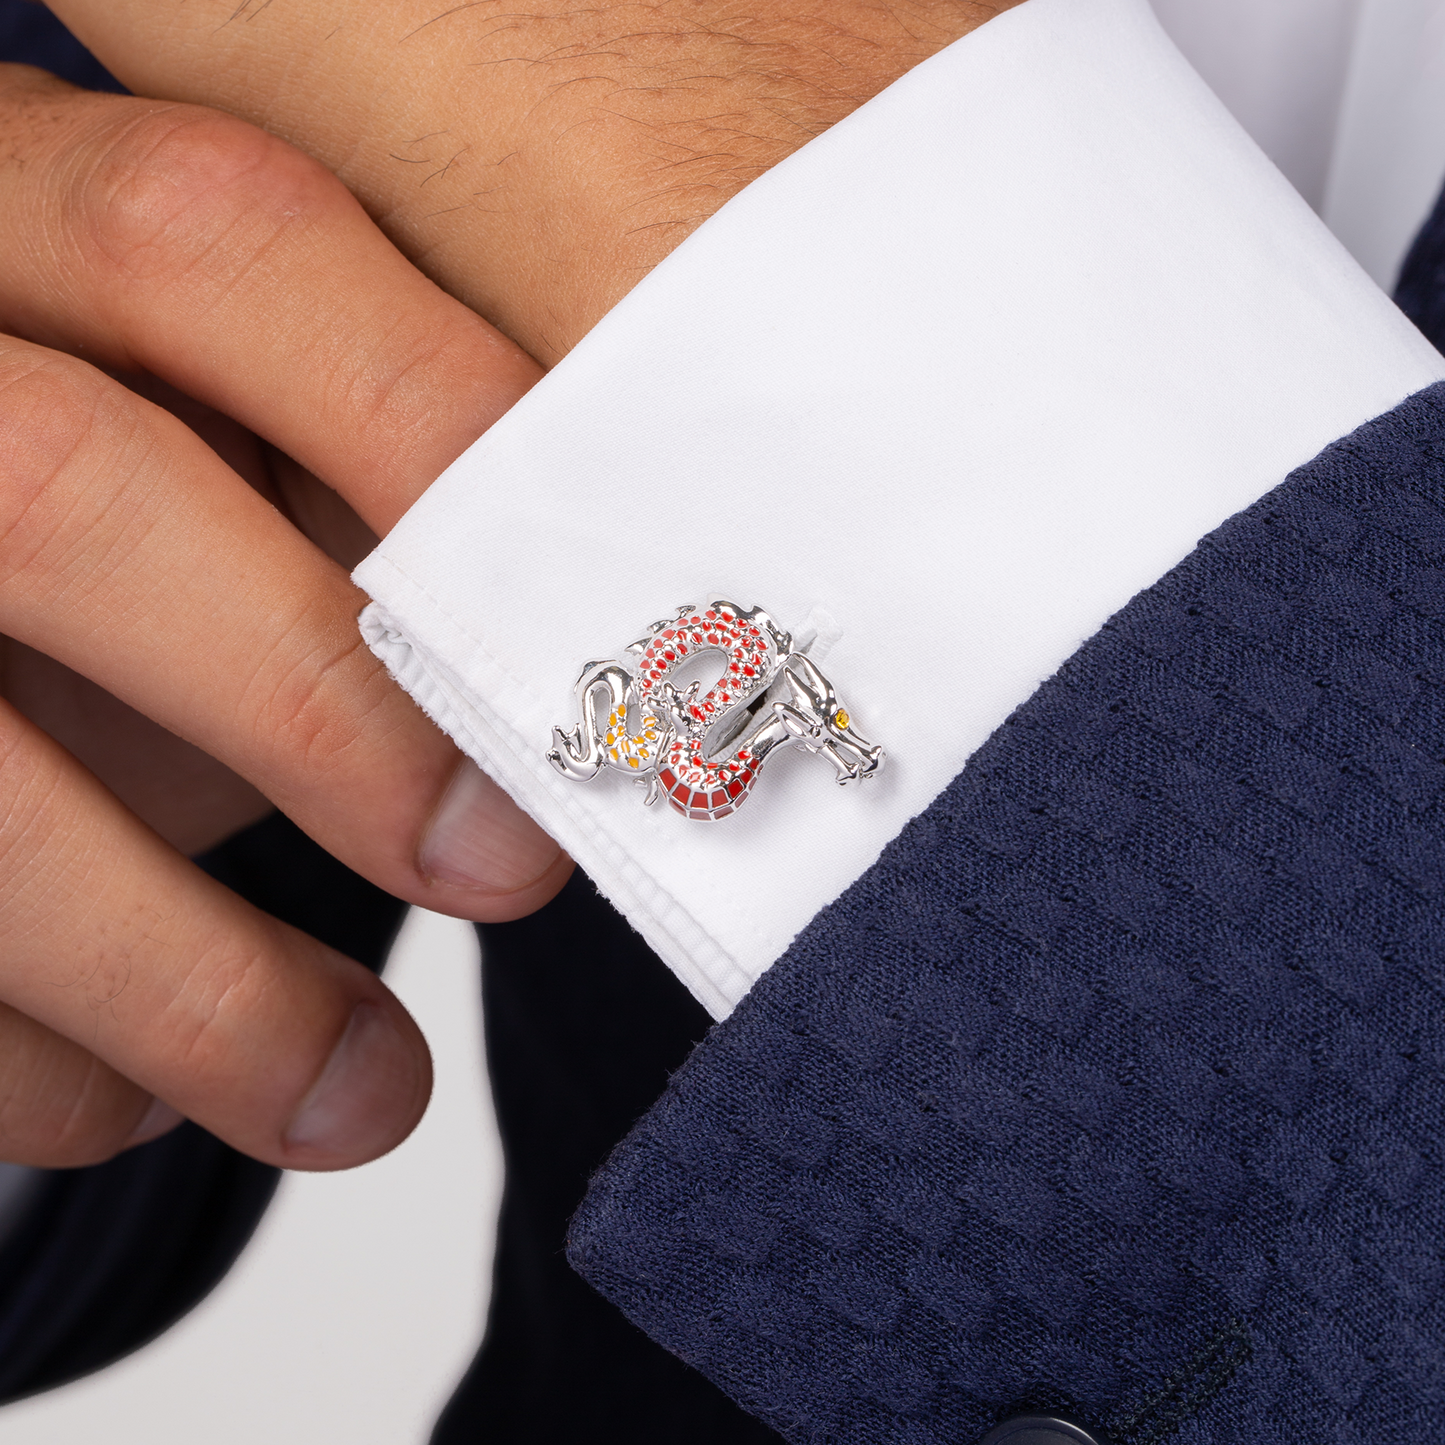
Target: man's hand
(537, 166)
(144, 237)
(536, 162)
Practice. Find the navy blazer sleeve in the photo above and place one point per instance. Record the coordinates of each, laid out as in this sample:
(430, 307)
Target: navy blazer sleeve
(1116, 1085)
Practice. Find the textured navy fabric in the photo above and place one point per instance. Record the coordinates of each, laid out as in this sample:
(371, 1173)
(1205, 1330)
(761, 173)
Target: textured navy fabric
(31, 35)
(1117, 1085)
(584, 1024)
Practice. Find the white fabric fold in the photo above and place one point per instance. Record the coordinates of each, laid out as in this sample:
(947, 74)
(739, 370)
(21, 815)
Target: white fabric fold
(965, 373)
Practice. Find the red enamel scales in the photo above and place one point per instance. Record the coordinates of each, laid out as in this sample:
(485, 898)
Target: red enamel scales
(694, 786)
(746, 647)
(633, 718)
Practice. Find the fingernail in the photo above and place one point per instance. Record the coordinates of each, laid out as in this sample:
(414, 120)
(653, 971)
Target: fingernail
(365, 1099)
(159, 1119)
(481, 839)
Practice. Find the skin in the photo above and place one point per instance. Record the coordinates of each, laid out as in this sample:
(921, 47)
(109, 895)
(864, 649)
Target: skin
(536, 164)
(291, 385)
(151, 594)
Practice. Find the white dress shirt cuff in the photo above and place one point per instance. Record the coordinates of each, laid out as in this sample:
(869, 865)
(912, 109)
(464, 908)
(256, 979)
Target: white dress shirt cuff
(956, 380)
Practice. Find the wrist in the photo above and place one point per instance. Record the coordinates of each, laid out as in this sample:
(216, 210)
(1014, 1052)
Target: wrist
(623, 147)
(537, 166)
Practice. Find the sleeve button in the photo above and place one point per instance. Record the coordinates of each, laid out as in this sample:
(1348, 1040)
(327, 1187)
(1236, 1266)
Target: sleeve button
(1041, 1430)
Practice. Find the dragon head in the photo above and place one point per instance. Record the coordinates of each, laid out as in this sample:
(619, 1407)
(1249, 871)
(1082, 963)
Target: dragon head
(819, 723)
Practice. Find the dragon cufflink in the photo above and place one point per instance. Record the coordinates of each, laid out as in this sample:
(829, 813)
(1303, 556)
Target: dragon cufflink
(705, 752)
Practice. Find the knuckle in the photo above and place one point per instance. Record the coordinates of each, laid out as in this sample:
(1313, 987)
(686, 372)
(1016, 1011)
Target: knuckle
(391, 395)
(48, 405)
(55, 413)
(167, 188)
(226, 986)
(241, 986)
(49, 408)
(418, 361)
(318, 697)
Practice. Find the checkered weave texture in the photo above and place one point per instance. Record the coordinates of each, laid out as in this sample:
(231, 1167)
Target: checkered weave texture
(1116, 1085)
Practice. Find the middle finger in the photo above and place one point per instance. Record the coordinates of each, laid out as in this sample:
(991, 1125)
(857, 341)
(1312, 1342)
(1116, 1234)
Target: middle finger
(131, 553)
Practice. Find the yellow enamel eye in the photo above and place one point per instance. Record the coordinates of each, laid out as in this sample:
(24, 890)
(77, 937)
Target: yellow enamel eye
(840, 718)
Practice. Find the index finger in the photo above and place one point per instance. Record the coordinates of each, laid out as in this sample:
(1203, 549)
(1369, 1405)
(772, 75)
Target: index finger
(177, 240)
